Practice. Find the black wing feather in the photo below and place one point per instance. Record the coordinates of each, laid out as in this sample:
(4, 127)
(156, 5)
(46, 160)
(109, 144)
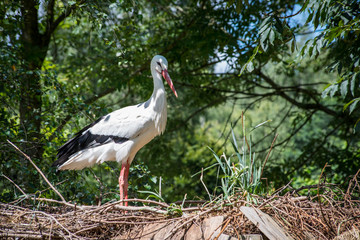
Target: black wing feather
(84, 139)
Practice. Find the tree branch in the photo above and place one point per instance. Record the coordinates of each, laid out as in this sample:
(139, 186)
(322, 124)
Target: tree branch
(306, 106)
(39, 171)
(246, 92)
(293, 133)
(310, 156)
(54, 24)
(49, 18)
(197, 111)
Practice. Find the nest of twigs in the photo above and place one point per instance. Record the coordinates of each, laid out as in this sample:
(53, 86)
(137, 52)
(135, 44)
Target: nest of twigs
(321, 216)
(325, 213)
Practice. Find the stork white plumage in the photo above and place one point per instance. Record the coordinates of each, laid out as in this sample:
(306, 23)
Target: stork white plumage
(119, 135)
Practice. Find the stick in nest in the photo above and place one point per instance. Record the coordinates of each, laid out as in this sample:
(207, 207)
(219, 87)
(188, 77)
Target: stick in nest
(22, 191)
(38, 169)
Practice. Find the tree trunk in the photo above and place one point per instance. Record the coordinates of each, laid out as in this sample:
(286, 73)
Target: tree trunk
(33, 55)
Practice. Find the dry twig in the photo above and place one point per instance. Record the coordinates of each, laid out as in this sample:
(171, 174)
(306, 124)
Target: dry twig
(38, 169)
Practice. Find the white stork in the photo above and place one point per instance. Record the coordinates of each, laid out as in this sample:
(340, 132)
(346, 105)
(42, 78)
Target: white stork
(119, 135)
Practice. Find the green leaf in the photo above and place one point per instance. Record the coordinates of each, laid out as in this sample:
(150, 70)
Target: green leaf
(333, 89)
(271, 36)
(293, 45)
(242, 69)
(319, 44)
(332, 66)
(236, 147)
(218, 160)
(344, 88)
(353, 105)
(224, 187)
(259, 125)
(304, 7)
(314, 50)
(265, 34)
(317, 18)
(323, 13)
(250, 66)
(353, 83)
(263, 38)
(255, 51)
(262, 25)
(310, 17)
(197, 173)
(306, 47)
(263, 28)
(350, 103)
(340, 66)
(153, 195)
(356, 64)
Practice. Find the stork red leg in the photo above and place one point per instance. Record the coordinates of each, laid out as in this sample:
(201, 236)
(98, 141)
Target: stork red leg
(123, 181)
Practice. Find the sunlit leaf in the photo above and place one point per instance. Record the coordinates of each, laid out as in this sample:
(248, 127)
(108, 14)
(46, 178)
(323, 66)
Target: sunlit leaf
(333, 89)
(271, 36)
(353, 105)
(344, 88)
(250, 67)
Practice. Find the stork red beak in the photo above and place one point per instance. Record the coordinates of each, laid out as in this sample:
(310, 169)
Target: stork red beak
(166, 75)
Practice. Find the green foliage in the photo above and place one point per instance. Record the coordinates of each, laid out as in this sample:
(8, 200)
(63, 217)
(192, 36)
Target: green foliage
(241, 172)
(97, 60)
(339, 22)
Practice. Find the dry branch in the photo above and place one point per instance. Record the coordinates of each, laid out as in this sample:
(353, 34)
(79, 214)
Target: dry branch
(38, 169)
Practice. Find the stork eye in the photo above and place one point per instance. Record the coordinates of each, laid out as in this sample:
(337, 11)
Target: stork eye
(158, 63)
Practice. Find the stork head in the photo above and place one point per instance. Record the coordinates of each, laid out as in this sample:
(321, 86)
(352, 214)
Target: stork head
(159, 64)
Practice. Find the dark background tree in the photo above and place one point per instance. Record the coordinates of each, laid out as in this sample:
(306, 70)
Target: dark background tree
(65, 63)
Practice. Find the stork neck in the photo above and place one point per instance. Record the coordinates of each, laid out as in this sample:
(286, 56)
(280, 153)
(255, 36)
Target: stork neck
(159, 89)
(158, 83)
